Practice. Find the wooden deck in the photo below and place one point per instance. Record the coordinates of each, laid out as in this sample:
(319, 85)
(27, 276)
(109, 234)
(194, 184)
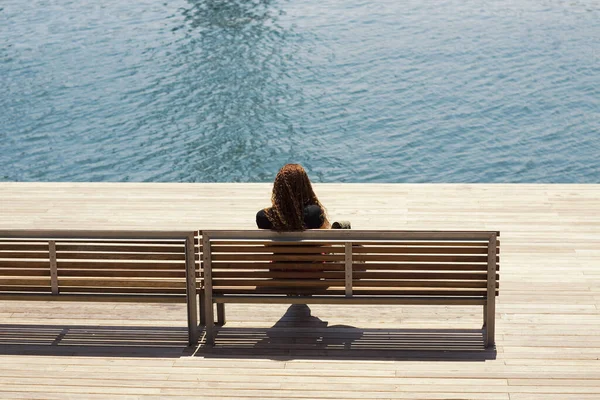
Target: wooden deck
(548, 315)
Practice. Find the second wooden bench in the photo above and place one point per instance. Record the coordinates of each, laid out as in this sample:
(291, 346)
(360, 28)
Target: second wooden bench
(350, 267)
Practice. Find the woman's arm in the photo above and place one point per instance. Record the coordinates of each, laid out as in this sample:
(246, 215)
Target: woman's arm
(262, 222)
(315, 218)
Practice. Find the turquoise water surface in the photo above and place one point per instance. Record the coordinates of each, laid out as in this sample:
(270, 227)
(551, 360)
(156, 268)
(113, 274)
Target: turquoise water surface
(357, 91)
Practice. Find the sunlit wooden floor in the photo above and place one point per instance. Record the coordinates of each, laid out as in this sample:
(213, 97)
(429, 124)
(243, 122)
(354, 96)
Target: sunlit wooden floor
(548, 317)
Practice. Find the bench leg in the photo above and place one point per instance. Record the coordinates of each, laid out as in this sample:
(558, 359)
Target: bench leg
(192, 327)
(484, 316)
(220, 314)
(484, 328)
(489, 325)
(202, 308)
(209, 320)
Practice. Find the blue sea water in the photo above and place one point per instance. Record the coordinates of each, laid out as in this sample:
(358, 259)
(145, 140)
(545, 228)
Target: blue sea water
(355, 90)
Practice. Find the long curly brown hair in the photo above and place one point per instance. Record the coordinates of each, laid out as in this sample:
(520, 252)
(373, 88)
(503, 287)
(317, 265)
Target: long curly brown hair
(292, 191)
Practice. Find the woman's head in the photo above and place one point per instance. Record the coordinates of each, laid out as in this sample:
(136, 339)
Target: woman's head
(292, 191)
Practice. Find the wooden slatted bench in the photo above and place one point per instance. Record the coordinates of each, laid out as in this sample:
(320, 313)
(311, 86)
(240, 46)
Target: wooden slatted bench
(350, 267)
(130, 266)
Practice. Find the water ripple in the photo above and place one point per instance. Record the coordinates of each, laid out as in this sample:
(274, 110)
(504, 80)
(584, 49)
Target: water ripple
(229, 90)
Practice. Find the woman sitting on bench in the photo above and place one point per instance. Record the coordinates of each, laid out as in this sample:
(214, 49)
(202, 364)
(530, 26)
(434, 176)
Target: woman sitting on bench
(294, 204)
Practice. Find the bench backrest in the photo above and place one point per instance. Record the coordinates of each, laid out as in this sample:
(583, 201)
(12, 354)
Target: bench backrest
(352, 263)
(150, 265)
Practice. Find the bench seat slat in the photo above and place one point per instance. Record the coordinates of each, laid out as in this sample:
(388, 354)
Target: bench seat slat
(148, 273)
(94, 282)
(289, 274)
(24, 280)
(24, 246)
(331, 266)
(67, 256)
(278, 257)
(355, 292)
(434, 276)
(407, 300)
(410, 266)
(426, 243)
(277, 282)
(100, 290)
(24, 254)
(26, 288)
(130, 248)
(358, 257)
(150, 298)
(338, 249)
(24, 264)
(308, 249)
(123, 290)
(358, 274)
(94, 264)
(420, 257)
(119, 282)
(24, 272)
(419, 250)
(399, 266)
(355, 283)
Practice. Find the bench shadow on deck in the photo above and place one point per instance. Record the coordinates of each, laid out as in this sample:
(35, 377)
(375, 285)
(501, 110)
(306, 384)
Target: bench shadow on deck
(297, 335)
(90, 340)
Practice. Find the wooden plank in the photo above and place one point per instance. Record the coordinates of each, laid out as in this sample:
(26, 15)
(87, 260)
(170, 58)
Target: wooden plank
(88, 234)
(24, 254)
(19, 280)
(23, 246)
(24, 264)
(339, 290)
(343, 235)
(374, 283)
(26, 288)
(136, 247)
(24, 272)
(435, 276)
(147, 273)
(482, 244)
(420, 258)
(419, 250)
(302, 248)
(139, 256)
(278, 274)
(408, 266)
(307, 282)
(277, 257)
(276, 283)
(100, 289)
(107, 298)
(53, 267)
(223, 266)
(124, 264)
(95, 282)
(458, 301)
(348, 269)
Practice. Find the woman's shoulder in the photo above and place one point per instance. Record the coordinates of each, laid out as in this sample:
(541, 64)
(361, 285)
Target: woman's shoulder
(314, 216)
(313, 209)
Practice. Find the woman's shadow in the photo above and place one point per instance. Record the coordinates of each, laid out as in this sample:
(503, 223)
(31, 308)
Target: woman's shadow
(299, 331)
